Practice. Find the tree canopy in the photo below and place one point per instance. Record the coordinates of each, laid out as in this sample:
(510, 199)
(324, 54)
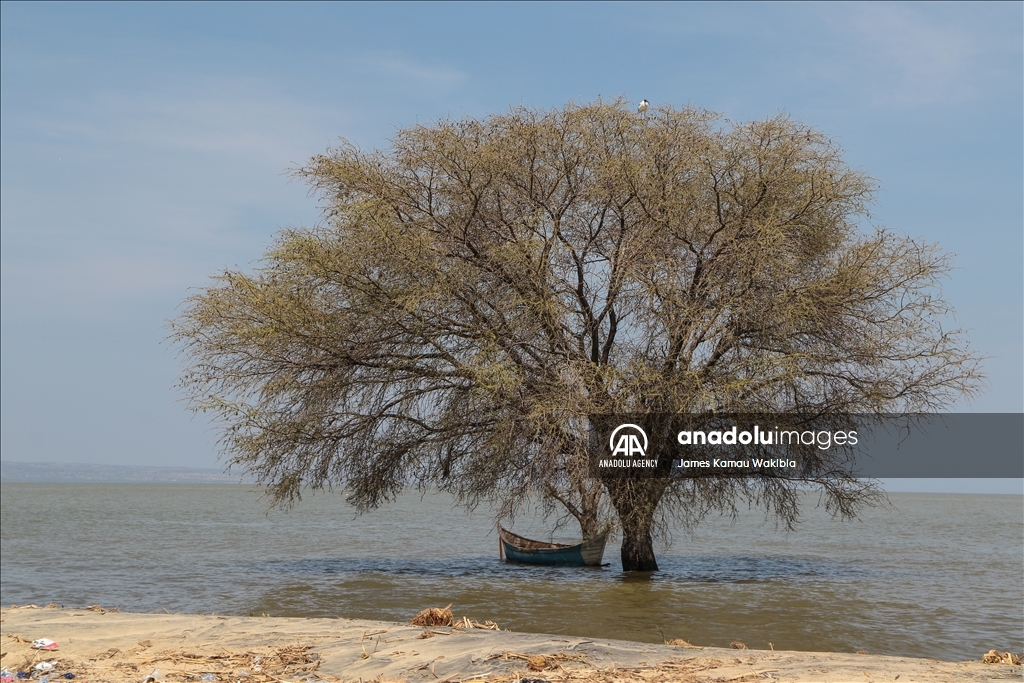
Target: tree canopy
(479, 289)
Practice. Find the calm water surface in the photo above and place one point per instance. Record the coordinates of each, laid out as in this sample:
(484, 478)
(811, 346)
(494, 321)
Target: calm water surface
(939, 575)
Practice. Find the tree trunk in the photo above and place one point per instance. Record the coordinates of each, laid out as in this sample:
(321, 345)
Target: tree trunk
(635, 502)
(638, 545)
(587, 509)
(590, 492)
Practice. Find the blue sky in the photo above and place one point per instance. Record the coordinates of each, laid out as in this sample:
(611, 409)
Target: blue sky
(144, 147)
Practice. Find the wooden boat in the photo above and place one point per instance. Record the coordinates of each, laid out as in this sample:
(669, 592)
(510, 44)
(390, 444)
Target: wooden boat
(587, 553)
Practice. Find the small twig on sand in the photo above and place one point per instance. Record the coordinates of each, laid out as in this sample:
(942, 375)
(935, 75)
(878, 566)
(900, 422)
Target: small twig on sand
(430, 633)
(757, 674)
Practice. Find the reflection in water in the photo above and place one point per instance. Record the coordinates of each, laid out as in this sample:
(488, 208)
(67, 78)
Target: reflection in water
(938, 576)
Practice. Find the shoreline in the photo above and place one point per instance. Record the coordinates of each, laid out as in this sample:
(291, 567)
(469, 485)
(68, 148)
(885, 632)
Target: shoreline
(98, 645)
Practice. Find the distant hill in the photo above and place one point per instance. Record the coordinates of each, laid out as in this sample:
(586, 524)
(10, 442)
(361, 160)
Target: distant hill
(56, 472)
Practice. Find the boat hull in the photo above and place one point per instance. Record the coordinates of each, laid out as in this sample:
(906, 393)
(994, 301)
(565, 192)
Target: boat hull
(585, 554)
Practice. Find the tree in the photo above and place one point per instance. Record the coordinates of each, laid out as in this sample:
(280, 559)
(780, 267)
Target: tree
(475, 294)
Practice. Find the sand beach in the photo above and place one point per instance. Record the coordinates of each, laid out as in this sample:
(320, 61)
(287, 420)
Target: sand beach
(101, 645)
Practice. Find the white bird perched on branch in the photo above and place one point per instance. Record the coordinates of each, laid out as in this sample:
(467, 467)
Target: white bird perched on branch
(643, 106)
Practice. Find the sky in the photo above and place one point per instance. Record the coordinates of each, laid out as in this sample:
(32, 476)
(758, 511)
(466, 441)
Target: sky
(146, 147)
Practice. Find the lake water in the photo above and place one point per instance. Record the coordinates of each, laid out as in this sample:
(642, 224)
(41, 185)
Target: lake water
(938, 575)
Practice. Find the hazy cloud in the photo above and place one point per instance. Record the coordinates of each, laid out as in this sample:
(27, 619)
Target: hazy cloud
(406, 72)
(907, 57)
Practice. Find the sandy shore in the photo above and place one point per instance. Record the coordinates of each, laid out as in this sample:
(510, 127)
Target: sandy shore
(114, 646)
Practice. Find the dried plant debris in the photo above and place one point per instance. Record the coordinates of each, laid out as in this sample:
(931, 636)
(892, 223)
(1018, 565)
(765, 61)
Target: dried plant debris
(468, 623)
(672, 671)
(434, 616)
(679, 642)
(737, 645)
(261, 665)
(430, 633)
(996, 657)
(540, 662)
(442, 616)
(103, 610)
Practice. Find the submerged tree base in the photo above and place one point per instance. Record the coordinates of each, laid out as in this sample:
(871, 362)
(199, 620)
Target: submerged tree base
(639, 557)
